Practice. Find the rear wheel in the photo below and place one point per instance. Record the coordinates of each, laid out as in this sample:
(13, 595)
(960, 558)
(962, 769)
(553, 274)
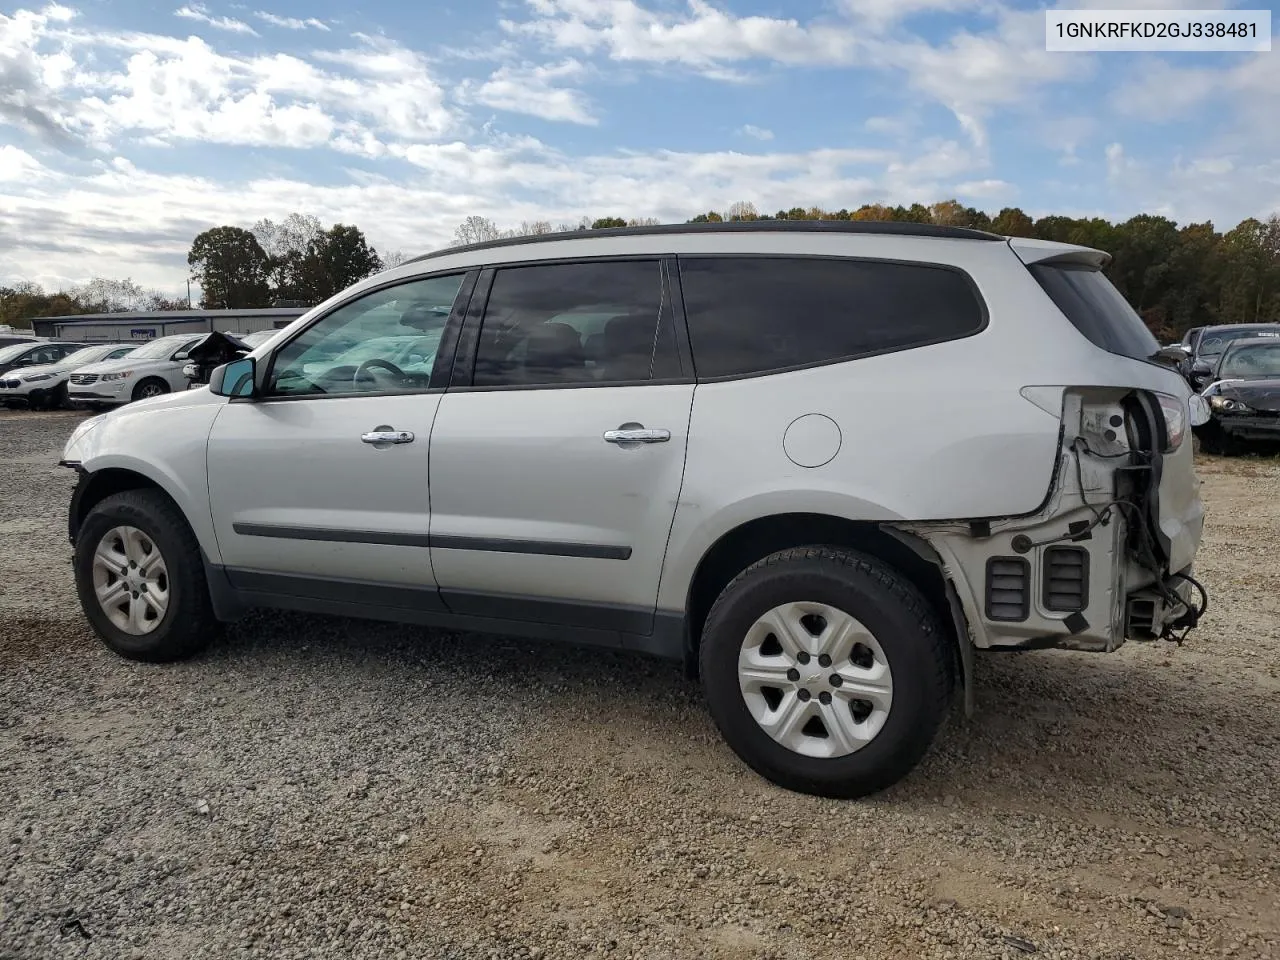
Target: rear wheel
(826, 671)
(151, 387)
(140, 578)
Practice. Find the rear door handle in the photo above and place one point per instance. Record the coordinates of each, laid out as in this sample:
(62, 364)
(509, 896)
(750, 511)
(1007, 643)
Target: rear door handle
(386, 435)
(636, 435)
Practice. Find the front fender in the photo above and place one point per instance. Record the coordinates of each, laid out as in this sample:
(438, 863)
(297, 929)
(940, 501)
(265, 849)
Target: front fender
(166, 446)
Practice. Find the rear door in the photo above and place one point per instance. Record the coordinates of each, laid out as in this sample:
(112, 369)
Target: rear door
(558, 453)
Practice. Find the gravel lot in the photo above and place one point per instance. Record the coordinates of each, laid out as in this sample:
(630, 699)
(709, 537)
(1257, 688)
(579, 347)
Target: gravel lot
(327, 788)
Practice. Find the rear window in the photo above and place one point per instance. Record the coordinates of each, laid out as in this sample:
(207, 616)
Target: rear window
(757, 314)
(1213, 342)
(1097, 309)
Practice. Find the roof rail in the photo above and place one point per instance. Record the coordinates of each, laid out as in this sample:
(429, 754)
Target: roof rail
(881, 227)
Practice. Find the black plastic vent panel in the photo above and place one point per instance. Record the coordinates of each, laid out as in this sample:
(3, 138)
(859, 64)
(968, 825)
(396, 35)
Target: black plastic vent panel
(1066, 579)
(1008, 588)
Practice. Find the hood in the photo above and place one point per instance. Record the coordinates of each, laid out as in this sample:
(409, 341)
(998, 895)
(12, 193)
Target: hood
(124, 363)
(1261, 394)
(49, 368)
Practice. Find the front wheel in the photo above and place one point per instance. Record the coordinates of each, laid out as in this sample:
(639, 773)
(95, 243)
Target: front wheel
(140, 578)
(150, 388)
(826, 671)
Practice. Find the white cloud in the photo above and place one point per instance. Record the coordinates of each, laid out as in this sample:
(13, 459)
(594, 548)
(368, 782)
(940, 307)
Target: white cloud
(973, 73)
(703, 36)
(18, 165)
(985, 189)
(199, 12)
(885, 12)
(74, 87)
(127, 220)
(532, 89)
(290, 23)
(754, 132)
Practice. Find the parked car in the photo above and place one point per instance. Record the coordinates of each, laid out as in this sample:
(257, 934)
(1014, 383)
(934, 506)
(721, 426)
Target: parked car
(153, 369)
(1213, 340)
(774, 465)
(1243, 397)
(216, 349)
(34, 353)
(9, 339)
(46, 385)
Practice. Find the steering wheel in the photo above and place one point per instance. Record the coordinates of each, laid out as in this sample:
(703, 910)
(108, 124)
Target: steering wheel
(376, 362)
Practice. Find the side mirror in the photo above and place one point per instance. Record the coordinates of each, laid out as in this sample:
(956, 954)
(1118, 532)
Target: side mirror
(181, 355)
(234, 379)
(1201, 367)
(1174, 353)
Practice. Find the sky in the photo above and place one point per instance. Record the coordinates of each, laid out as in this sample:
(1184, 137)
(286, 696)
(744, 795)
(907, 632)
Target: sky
(129, 126)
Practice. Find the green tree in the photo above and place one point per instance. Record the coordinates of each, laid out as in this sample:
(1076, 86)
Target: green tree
(606, 222)
(231, 268)
(1251, 272)
(1012, 222)
(337, 258)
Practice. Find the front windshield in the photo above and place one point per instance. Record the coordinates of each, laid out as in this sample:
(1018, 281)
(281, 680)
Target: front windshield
(16, 350)
(157, 348)
(1251, 362)
(87, 355)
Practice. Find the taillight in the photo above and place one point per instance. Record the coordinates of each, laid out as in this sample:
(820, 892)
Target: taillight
(1175, 421)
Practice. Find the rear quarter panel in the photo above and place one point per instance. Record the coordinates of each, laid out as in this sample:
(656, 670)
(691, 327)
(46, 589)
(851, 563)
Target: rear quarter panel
(932, 433)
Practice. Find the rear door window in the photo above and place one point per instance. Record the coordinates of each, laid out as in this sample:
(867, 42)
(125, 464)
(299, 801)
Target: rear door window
(750, 315)
(567, 324)
(1096, 308)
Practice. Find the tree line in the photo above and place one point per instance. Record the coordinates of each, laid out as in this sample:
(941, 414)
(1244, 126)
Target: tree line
(1175, 276)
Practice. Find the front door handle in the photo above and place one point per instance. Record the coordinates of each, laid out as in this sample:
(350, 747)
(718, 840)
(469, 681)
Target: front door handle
(636, 434)
(386, 435)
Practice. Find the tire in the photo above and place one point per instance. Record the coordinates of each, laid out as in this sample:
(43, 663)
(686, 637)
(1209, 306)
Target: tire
(36, 400)
(910, 639)
(151, 387)
(187, 623)
(59, 400)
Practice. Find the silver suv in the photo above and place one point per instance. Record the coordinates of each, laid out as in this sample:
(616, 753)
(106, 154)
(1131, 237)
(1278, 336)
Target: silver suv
(819, 463)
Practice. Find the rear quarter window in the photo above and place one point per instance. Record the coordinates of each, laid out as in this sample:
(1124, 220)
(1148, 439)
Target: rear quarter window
(1097, 309)
(750, 315)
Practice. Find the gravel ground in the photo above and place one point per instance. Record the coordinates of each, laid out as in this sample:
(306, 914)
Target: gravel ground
(326, 788)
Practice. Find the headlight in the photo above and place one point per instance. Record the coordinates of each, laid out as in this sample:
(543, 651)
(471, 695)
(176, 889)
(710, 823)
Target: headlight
(1227, 405)
(1175, 421)
(70, 452)
(34, 377)
(123, 375)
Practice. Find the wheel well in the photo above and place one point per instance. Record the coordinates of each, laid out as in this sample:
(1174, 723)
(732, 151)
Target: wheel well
(102, 484)
(757, 539)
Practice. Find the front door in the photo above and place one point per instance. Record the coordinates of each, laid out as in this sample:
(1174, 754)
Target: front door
(319, 487)
(556, 466)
